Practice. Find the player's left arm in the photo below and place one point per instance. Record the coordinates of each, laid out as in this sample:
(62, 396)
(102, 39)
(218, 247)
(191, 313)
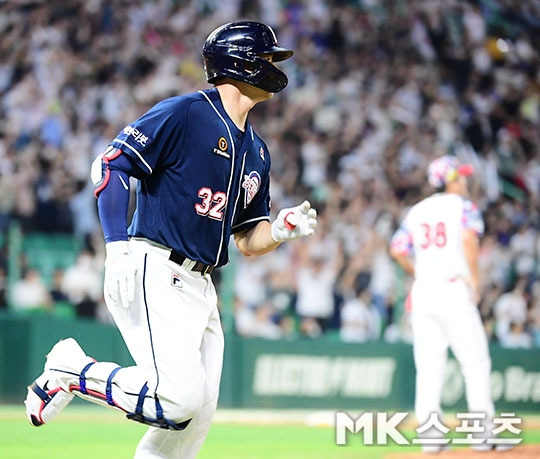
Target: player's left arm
(473, 228)
(257, 240)
(471, 248)
(110, 174)
(254, 234)
(291, 223)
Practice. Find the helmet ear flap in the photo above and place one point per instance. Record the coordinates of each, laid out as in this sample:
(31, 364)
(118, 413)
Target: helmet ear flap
(267, 76)
(257, 72)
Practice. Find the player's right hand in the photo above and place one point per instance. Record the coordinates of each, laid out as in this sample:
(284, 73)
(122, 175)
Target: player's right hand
(294, 222)
(120, 271)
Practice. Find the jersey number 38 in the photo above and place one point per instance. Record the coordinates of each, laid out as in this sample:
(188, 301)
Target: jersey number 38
(433, 235)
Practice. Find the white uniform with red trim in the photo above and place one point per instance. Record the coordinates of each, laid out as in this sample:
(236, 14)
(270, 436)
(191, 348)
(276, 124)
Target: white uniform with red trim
(444, 313)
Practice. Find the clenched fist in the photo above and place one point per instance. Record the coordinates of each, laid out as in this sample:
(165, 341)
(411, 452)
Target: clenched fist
(294, 222)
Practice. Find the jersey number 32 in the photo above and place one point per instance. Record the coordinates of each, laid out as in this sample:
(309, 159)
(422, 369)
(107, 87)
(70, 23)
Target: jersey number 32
(212, 204)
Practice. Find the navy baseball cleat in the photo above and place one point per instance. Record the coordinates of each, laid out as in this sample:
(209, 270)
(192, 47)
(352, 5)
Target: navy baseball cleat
(45, 398)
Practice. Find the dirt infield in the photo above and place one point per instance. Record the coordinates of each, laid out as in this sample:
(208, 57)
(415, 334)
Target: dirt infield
(520, 452)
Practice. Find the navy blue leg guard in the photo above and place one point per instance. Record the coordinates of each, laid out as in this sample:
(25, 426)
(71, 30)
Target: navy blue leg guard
(106, 399)
(160, 421)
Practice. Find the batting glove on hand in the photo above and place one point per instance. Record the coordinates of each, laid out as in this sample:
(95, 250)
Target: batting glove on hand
(120, 270)
(294, 222)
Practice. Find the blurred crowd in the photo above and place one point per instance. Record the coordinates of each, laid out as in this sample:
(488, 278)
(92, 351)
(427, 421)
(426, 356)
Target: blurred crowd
(378, 88)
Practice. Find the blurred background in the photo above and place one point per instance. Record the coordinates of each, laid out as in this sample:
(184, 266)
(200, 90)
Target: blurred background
(377, 89)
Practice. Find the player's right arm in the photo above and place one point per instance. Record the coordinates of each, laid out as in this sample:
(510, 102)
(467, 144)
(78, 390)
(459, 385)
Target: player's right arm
(110, 175)
(404, 261)
(134, 152)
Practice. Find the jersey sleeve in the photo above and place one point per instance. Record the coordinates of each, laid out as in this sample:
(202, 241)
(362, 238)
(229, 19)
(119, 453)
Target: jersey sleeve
(146, 140)
(402, 240)
(113, 198)
(471, 218)
(257, 210)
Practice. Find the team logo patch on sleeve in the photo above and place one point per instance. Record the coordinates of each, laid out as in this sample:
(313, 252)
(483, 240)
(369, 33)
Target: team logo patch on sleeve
(222, 146)
(261, 153)
(251, 185)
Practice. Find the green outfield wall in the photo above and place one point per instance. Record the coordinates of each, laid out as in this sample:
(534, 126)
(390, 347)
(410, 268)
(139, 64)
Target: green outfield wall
(317, 374)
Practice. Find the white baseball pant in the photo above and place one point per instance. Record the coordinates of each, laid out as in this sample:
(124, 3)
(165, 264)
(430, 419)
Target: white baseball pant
(174, 334)
(444, 315)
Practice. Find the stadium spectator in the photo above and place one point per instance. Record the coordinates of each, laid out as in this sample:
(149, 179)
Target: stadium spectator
(30, 293)
(510, 310)
(360, 320)
(315, 283)
(516, 337)
(82, 283)
(258, 322)
(57, 295)
(534, 313)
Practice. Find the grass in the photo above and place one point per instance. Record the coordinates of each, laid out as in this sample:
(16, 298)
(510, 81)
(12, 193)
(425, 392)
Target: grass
(94, 432)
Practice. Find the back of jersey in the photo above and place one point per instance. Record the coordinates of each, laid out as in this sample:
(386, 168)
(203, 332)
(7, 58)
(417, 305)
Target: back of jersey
(435, 228)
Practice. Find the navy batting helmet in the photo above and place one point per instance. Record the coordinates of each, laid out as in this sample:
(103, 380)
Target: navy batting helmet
(236, 50)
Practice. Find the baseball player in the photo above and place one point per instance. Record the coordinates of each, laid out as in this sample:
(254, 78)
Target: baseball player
(203, 176)
(442, 233)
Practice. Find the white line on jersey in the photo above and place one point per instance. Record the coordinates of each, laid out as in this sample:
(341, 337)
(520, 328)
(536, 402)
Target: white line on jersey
(232, 167)
(123, 183)
(134, 151)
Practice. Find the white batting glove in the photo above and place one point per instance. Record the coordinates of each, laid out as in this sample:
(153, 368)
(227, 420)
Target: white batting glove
(294, 222)
(120, 270)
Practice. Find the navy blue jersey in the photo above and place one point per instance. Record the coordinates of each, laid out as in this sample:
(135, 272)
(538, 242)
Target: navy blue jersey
(201, 178)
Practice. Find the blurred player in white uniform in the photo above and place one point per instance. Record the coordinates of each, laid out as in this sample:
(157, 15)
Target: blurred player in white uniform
(438, 243)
